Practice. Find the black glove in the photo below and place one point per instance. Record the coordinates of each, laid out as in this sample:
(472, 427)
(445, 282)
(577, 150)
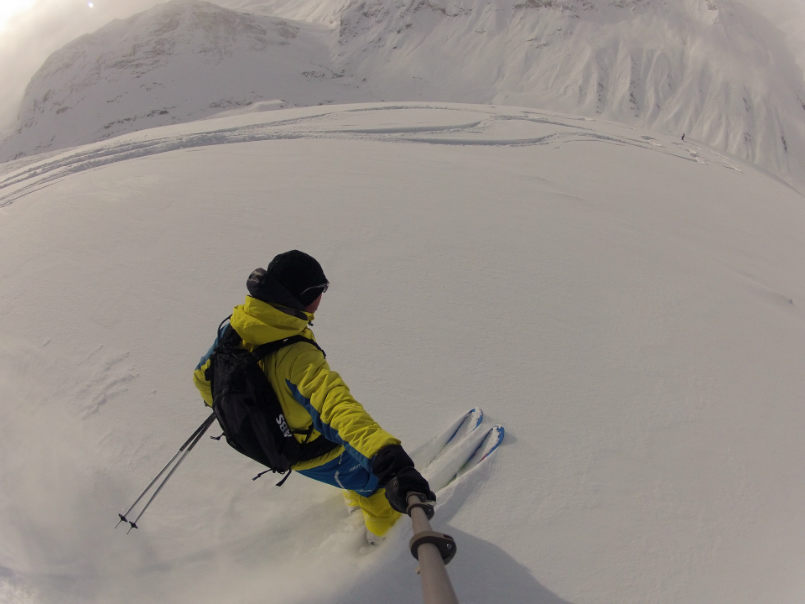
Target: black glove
(407, 481)
(395, 470)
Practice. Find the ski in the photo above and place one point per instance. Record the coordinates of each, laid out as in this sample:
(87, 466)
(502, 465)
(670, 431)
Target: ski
(462, 445)
(455, 432)
(490, 441)
(462, 455)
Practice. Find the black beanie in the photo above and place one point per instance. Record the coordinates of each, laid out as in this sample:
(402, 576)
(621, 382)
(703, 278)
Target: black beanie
(299, 274)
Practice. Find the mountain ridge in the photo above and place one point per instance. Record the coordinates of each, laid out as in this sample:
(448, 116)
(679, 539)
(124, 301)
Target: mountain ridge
(708, 69)
(174, 63)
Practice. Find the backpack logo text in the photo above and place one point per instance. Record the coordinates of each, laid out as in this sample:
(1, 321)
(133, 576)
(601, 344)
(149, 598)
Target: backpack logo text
(286, 431)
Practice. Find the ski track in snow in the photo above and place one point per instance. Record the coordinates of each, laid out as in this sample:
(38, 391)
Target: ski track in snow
(517, 128)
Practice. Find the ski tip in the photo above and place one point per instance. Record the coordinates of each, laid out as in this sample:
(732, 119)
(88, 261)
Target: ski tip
(496, 432)
(469, 421)
(477, 413)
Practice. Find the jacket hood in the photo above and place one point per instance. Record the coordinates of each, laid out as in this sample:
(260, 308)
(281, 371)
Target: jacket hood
(258, 322)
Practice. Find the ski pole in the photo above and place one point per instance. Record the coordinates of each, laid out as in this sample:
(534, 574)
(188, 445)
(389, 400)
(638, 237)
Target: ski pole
(433, 551)
(123, 517)
(183, 451)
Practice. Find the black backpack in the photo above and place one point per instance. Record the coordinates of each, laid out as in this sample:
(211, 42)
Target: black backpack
(247, 407)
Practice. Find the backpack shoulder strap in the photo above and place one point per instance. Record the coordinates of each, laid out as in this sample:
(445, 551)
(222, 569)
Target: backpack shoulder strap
(264, 350)
(227, 336)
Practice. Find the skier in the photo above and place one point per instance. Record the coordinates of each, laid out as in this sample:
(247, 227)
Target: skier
(366, 461)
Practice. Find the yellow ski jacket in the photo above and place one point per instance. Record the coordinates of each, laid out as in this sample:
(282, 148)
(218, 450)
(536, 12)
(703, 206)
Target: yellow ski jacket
(310, 393)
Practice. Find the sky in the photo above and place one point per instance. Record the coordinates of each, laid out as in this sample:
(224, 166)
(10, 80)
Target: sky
(35, 28)
(629, 305)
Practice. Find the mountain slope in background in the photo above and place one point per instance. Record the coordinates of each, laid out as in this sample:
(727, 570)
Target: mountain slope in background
(176, 62)
(710, 69)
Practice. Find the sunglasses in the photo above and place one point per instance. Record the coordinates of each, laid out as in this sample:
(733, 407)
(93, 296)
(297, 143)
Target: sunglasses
(323, 287)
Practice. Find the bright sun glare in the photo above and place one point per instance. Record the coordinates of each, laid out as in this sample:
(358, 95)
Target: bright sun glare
(9, 8)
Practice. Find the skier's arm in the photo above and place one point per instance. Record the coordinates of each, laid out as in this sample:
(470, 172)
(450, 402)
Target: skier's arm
(335, 412)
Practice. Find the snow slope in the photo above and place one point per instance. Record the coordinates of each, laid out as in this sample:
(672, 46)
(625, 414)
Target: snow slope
(179, 61)
(711, 69)
(629, 305)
